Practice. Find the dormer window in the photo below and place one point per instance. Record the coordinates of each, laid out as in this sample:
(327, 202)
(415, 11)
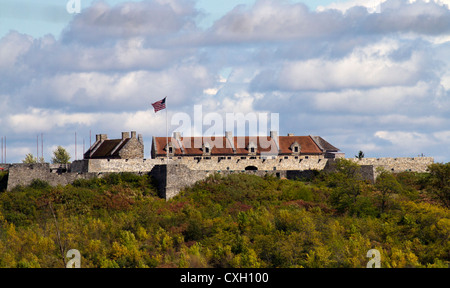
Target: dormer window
(295, 148)
(252, 148)
(170, 149)
(206, 149)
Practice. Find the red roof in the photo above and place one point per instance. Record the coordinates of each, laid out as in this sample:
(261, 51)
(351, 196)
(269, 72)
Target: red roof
(105, 148)
(220, 146)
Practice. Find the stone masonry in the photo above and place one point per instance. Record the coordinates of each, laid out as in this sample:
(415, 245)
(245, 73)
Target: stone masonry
(176, 175)
(299, 156)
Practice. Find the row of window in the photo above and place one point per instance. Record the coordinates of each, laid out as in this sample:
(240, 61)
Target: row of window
(295, 147)
(229, 157)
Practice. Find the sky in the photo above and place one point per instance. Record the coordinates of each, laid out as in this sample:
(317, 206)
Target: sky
(369, 76)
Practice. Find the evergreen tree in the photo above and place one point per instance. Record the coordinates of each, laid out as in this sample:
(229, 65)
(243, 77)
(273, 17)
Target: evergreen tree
(30, 159)
(60, 156)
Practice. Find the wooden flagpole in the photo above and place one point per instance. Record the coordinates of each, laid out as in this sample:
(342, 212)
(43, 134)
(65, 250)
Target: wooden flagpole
(167, 132)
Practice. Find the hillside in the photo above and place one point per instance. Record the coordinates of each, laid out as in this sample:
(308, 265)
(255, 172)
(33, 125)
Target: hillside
(240, 220)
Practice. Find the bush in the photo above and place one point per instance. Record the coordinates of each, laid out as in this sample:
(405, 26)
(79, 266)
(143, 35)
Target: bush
(3, 181)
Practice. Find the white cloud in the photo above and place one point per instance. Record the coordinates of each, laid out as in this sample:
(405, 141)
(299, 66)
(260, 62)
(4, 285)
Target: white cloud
(372, 6)
(38, 120)
(367, 80)
(13, 46)
(374, 101)
(409, 141)
(358, 70)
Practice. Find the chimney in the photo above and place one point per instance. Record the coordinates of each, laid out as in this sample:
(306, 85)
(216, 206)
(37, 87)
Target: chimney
(274, 136)
(97, 137)
(177, 135)
(229, 134)
(133, 134)
(290, 134)
(230, 142)
(125, 135)
(103, 137)
(140, 139)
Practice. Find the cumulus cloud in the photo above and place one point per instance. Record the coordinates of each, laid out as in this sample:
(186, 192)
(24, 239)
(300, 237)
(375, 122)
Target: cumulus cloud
(279, 20)
(363, 79)
(154, 19)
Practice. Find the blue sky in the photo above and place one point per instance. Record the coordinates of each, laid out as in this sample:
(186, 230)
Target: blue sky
(38, 18)
(370, 75)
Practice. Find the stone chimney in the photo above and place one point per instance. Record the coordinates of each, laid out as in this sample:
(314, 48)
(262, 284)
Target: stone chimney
(125, 135)
(103, 137)
(230, 141)
(290, 134)
(177, 135)
(274, 136)
(133, 134)
(141, 139)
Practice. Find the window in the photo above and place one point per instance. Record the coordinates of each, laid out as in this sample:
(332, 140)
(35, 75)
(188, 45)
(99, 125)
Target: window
(252, 148)
(206, 149)
(295, 148)
(170, 150)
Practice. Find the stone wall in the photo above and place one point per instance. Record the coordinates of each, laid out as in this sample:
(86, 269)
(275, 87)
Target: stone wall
(417, 164)
(181, 173)
(173, 178)
(114, 165)
(180, 176)
(5, 167)
(133, 149)
(395, 165)
(24, 174)
(213, 164)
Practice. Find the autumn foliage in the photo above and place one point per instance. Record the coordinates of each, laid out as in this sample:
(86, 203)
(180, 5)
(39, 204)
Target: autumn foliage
(240, 220)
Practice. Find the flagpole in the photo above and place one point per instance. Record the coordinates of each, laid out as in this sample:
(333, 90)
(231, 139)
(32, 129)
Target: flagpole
(167, 134)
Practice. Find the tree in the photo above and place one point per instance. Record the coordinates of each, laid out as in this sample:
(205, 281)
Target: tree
(439, 182)
(347, 183)
(60, 156)
(30, 159)
(387, 185)
(360, 155)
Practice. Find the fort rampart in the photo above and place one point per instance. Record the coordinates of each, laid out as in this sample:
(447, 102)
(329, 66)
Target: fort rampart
(180, 173)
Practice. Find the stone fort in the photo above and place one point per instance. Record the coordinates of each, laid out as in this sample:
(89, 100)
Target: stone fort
(177, 162)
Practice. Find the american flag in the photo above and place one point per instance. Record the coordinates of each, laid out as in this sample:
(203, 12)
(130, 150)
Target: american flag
(160, 105)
